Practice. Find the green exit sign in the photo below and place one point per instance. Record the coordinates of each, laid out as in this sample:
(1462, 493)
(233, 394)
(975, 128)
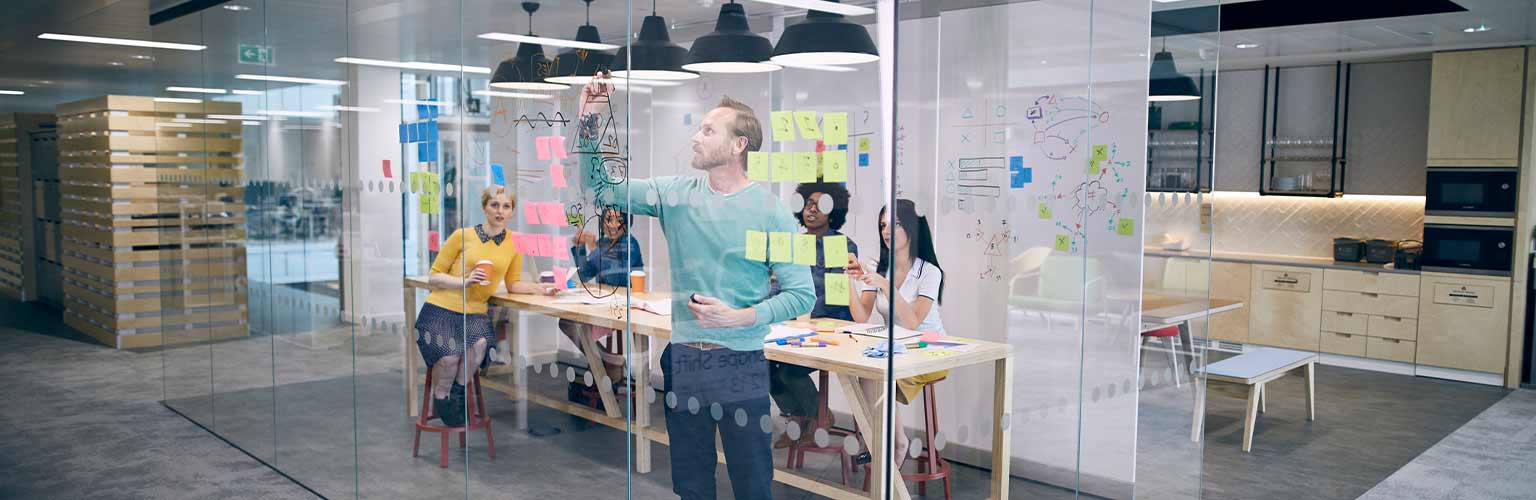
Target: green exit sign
(257, 54)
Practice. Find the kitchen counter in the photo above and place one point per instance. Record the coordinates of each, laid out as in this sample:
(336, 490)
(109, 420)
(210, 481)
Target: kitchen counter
(1284, 260)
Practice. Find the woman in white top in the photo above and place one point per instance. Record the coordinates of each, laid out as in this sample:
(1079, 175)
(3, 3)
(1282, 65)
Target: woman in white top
(907, 252)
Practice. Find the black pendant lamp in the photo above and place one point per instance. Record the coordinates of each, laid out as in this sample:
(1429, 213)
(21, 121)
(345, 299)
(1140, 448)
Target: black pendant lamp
(652, 56)
(732, 47)
(576, 66)
(1165, 83)
(825, 38)
(528, 69)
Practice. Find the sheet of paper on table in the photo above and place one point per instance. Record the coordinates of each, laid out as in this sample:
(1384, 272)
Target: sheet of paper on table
(582, 297)
(782, 331)
(657, 307)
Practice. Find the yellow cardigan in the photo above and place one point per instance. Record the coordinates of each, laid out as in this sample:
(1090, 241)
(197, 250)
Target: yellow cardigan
(462, 250)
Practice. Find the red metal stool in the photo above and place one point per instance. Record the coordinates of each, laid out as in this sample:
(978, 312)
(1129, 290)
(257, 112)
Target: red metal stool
(930, 464)
(476, 419)
(824, 420)
(1167, 333)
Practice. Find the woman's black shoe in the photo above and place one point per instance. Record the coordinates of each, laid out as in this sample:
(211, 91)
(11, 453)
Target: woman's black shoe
(450, 413)
(861, 459)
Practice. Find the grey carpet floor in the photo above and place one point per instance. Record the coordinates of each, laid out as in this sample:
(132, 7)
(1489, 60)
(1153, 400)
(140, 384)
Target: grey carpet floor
(1492, 457)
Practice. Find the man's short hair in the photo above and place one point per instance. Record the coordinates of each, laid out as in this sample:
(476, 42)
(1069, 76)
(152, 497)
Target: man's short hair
(744, 124)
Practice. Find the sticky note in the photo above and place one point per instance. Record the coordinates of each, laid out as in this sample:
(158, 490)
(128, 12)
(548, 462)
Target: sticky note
(410, 132)
(560, 277)
(557, 174)
(557, 146)
(805, 249)
(531, 212)
(1100, 153)
(387, 173)
(498, 175)
(542, 145)
(836, 285)
(424, 203)
(433, 243)
(757, 166)
(863, 159)
(834, 166)
(405, 136)
(552, 213)
(432, 131)
(415, 182)
(757, 246)
(1125, 226)
(834, 251)
(1093, 167)
(783, 125)
(834, 128)
(546, 246)
(808, 126)
(422, 153)
(864, 144)
(1044, 211)
(779, 246)
(805, 167)
(783, 167)
(1018, 177)
(432, 183)
(1063, 242)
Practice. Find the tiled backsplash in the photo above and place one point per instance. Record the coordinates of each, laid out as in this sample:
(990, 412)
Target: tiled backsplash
(1282, 225)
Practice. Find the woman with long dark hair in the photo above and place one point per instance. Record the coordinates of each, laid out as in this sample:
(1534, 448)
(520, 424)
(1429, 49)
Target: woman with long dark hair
(906, 251)
(608, 259)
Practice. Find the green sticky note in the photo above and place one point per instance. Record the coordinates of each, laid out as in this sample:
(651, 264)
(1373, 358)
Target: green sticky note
(783, 167)
(834, 128)
(757, 166)
(778, 246)
(1100, 153)
(1093, 167)
(1125, 226)
(415, 182)
(834, 251)
(836, 288)
(1063, 242)
(863, 144)
(757, 246)
(783, 125)
(805, 167)
(805, 249)
(834, 166)
(424, 204)
(808, 127)
(1043, 210)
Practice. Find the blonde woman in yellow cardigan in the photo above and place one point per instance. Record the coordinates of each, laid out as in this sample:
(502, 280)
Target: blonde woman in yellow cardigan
(453, 328)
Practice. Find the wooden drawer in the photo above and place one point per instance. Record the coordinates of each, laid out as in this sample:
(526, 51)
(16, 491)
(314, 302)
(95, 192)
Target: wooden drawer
(1389, 349)
(1393, 327)
(1371, 303)
(1374, 282)
(1285, 308)
(1287, 279)
(1344, 322)
(1344, 343)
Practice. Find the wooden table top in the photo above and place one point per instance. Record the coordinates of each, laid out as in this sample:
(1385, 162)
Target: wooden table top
(1167, 308)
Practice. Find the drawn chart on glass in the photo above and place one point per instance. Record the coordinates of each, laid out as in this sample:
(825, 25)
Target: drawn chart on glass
(991, 243)
(606, 166)
(976, 177)
(1100, 200)
(1061, 123)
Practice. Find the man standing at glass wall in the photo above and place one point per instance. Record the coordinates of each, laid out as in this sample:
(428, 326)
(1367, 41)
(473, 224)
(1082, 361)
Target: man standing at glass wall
(716, 374)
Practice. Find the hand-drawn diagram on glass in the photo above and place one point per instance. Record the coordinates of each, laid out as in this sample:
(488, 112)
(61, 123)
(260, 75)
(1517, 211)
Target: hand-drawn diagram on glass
(1061, 123)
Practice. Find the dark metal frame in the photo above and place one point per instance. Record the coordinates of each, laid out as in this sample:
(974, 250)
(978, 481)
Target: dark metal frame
(1203, 183)
(1269, 125)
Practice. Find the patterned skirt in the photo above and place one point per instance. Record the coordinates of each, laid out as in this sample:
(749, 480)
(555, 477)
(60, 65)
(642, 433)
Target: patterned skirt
(441, 332)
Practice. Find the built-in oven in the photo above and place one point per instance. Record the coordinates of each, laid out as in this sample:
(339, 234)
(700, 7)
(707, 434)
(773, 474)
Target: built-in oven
(1468, 249)
(1470, 192)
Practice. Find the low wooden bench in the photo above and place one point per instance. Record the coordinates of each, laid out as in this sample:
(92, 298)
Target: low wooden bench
(1254, 369)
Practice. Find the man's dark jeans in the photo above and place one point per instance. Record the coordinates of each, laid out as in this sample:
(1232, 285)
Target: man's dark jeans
(725, 390)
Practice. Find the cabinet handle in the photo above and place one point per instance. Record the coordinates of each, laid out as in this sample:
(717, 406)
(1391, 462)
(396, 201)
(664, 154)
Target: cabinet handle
(1394, 341)
(1393, 318)
(1369, 294)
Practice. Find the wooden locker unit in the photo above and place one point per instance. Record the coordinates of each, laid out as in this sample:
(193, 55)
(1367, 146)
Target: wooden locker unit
(154, 221)
(1475, 101)
(1287, 307)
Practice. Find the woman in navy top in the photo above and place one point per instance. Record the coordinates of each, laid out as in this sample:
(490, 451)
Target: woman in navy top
(607, 259)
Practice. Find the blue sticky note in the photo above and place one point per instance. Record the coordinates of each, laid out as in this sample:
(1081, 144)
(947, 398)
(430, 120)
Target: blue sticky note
(410, 132)
(687, 118)
(842, 147)
(497, 175)
(863, 159)
(1015, 162)
(1020, 176)
(432, 131)
(421, 110)
(403, 134)
(421, 152)
(432, 151)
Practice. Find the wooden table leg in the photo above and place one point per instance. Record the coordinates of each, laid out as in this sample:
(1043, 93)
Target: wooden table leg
(1187, 338)
(407, 335)
(1263, 408)
(1002, 436)
(869, 415)
(1252, 416)
(1311, 396)
(595, 367)
(640, 371)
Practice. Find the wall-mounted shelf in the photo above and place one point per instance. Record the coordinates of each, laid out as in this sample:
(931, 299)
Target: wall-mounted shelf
(1179, 160)
(1304, 166)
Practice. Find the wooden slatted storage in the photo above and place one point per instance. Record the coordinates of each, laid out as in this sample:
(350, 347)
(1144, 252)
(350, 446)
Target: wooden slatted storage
(154, 221)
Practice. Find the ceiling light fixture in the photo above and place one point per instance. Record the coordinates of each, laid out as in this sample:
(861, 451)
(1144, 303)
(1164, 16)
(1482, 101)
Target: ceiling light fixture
(246, 92)
(121, 41)
(142, 57)
(512, 95)
(1476, 29)
(12, 92)
(115, 63)
(1247, 45)
(241, 117)
(825, 38)
(1165, 83)
(198, 90)
(415, 102)
(291, 79)
(300, 114)
(822, 67)
(178, 100)
(732, 47)
(652, 56)
(199, 120)
(576, 66)
(354, 109)
(236, 8)
(830, 7)
(419, 66)
(528, 69)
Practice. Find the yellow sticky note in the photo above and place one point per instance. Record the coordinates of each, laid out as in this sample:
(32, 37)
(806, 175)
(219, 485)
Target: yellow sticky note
(808, 127)
(415, 182)
(805, 249)
(834, 251)
(836, 288)
(757, 246)
(1063, 242)
(783, 167)
(778, 246)
(1125, 226)
(834, 128)
(424, 204)
(783, 125)
(1100, 153)
(805, 167)
(1093, 167)
(834, 166)
(1043, 210)
(863, 144)
(757, 166)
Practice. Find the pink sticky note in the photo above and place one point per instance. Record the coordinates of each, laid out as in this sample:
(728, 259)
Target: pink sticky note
(552, 213)
(543, 146)
(557, 146)
(544, 246)
(557, 174)
(387, 173)
(432, 243)
(531, 213)
(929, 337)
(560, 276)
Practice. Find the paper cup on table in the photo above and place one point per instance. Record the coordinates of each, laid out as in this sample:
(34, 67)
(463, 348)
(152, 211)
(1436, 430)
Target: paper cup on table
(485, 266)
(547, 277)
(637, 281)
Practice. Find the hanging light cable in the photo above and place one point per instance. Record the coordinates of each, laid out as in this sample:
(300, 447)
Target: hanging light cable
(576, 66)
(527, 70)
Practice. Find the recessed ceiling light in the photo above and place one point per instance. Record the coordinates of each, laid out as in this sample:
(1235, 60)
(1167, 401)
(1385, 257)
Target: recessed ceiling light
(301, 114)
(421, 66)
(245, 92)
(179, 100)
(240, 117)
(355, 109)
(1247, 45)
(121, 41)
(557, 42)
(115, 63)
(236, 8)
(12, 92)
(199, 121)
(833, 7)
(513, 95)
(198, 90)
(142, 57)
(445, 104)
(290, 79)
(1476, 29)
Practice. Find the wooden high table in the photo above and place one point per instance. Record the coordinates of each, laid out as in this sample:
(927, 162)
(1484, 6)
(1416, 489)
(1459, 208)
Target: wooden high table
(846, 360)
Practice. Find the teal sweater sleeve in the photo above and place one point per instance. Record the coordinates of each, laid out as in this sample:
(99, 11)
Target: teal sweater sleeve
(796, 293)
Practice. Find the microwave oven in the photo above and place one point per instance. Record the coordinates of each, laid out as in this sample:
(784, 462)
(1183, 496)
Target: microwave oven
(1468, 249)
(1470, 192)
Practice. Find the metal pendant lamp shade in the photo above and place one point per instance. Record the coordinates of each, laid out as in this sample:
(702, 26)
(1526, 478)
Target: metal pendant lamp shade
(732, 47)
(825, 38)
(1167, 84)
(652, 56)
(576, 66)
(529, 68)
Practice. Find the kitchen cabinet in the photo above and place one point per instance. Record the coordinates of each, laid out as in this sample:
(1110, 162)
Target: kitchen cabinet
(1370, 314)
(1389, 349)
(1343, 343)
(1474, 108)
(1231, 280)
(1463, 322)
(1287, 307)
